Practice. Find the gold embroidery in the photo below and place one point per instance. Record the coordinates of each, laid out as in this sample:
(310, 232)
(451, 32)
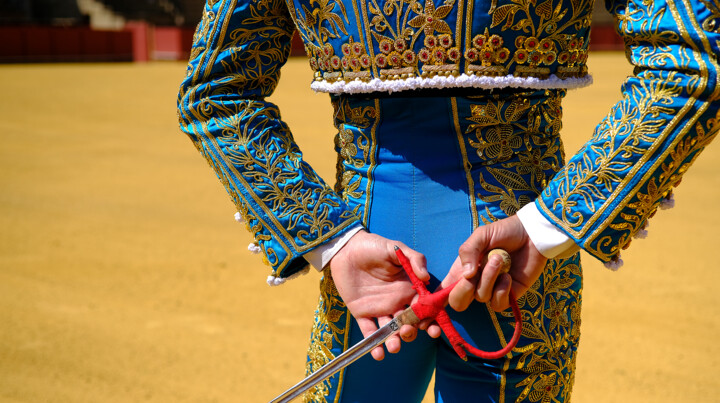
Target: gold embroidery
(551, 322)
(353, 148)
(321, 23)
(244, 138)
(317, 26)
(396, 43)
(498, 141)
(643, 110)
(712, 23)
(491, 53)
(270, 175)
(551, 308)
(509, 201)
(329, 331)
(430, 20)
(411, 38)
(680, 99)
(332, 321)
(439, 56)
(553, 36)
(670, 176)
(522, 137)
(354, 59)
(640, 27)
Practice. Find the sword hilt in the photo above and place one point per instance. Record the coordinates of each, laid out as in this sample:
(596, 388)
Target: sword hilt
(432, 306)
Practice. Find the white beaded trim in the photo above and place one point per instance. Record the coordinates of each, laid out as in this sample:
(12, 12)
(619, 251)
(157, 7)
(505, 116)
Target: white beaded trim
(254, 248)
(665, 204)
(442, 82)
(614, 264)
(643, 231)
(276, 281)
(668, 202)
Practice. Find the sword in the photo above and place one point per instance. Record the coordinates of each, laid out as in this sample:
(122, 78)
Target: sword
(428, 305)
(363, 347)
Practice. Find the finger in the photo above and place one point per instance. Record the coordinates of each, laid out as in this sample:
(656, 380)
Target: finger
(470, 252)
(392, 344)
(462, 294)
(367, 327)
(432, 328)
(418, 262)
(378, 353)
(487, 279)
(455, 273)
(501, 294)
(408, 333)
(424, 324)
(434, 331)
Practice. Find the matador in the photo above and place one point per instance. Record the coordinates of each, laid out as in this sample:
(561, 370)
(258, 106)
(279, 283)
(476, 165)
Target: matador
(448, 118)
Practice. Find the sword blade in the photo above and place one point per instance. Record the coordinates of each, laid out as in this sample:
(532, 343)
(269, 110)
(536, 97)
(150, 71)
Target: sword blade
(348, 357)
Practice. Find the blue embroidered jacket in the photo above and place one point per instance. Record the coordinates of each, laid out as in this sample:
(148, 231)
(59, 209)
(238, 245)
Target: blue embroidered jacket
(601, 198)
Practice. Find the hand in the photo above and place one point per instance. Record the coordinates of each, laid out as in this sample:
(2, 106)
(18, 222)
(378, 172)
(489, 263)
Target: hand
(374, 286)
(488, 285)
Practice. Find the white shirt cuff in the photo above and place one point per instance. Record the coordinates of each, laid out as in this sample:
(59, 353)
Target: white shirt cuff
(548, 239)
(320, 256)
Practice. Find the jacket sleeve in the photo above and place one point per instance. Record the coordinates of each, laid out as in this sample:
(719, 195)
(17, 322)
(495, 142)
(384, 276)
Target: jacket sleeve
(669, 112)
(237, 52)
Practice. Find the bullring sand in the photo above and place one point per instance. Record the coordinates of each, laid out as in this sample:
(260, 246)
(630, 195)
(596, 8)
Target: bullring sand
(124, 278)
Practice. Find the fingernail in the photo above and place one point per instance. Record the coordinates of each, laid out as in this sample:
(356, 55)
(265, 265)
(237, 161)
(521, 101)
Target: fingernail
(468, 269)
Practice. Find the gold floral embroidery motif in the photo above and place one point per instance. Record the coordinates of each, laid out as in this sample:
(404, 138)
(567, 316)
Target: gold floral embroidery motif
(642, 148)
(672, 170)
(712, 23)
(403, 39)
(498, 140)
(551, 322)
(270, 174)
(510, 196)
(519, 141)
(439, 56)
(396, 60)
(354, 147)
(324, 20)
(489, 50)
(329, 332)
(553, 38)
(396, 42)
(243, 137)
(640, 27)
(354, 63)
(598, 175)
(321, 23)
(252, 223)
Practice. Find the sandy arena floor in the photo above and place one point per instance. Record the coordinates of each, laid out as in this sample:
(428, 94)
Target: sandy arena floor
(124, 278)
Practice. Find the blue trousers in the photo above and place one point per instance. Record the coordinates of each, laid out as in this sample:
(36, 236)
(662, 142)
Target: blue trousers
(427, 170)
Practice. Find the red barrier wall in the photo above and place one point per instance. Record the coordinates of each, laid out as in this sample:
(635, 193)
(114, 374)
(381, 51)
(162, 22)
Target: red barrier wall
(28, 44)
(604, 37)
(142, 42)
(169, 44)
